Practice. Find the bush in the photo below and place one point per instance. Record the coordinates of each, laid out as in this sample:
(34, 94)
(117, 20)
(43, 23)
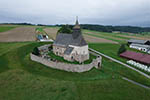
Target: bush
(122, 49)
(36, 51)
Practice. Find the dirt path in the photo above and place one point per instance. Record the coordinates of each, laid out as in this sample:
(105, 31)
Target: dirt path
(24, 33)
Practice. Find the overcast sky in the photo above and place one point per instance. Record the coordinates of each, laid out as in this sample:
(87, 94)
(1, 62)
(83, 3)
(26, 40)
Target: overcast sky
(103, 12)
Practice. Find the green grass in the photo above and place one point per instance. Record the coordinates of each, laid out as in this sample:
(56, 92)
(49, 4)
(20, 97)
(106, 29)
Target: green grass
(61, 59)
(112, 49)
(6, 28)
(23, 79)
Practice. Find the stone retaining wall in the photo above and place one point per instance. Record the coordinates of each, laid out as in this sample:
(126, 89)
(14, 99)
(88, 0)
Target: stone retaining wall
(67, 67)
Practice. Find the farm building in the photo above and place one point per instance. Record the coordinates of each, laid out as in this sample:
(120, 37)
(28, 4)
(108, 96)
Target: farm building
(139, 57)
(143, 45)
(142, 42)
(72, 47)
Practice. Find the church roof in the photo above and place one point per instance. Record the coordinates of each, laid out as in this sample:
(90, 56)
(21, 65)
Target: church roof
(68, 50)
(67, 39)
(75, 38)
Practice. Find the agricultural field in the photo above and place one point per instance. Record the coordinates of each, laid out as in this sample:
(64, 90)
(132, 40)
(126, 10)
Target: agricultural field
(23, 79)
(21, 33)
(117, 37)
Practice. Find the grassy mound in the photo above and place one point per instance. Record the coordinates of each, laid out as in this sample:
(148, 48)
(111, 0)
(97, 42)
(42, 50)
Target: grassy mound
(23, 79)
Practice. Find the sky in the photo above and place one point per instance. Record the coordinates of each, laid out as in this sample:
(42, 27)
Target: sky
(102, 12)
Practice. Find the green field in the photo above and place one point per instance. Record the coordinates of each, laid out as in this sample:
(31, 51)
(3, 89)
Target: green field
(117, 37)
(23, 79)
(7, 28)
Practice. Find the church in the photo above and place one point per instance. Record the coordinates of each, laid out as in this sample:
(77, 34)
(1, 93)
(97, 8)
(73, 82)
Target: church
(72, 47)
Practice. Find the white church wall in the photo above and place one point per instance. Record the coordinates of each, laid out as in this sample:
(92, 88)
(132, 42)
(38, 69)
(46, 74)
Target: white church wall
(83, 50)
(80, 54)
(59, 50)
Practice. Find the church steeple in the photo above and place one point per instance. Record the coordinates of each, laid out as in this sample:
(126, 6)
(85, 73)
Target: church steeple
(76, 29)
(77, 26)
(77, 23)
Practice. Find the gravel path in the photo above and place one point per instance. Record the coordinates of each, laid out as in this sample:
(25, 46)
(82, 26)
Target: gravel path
(131, 81)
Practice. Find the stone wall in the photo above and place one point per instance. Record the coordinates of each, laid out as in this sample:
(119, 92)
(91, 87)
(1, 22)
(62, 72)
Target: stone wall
(67, 67)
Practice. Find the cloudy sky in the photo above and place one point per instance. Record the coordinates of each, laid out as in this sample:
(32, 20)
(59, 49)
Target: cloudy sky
(103, 12)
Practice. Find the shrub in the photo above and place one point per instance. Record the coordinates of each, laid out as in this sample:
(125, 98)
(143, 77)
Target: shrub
(122, 49)
(36, 51)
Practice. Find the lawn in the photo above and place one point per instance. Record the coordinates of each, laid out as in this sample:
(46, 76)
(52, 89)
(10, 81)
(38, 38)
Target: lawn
(6, 28)
(23, 79)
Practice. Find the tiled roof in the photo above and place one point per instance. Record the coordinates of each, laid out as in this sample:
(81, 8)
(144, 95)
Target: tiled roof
(139, 57)
(75, 38)
(67, 39)
(68, 50)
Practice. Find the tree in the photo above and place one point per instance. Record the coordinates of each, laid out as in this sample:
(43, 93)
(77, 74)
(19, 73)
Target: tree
(36, 51)
(64, 29)
(122, 49)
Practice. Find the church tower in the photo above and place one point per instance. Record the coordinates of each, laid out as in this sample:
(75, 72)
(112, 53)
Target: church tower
(76, 30)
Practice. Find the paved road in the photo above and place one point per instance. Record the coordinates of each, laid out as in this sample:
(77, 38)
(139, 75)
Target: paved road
(131, 81)
(120, 62)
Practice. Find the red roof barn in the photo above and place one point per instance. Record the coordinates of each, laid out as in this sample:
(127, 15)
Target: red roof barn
(139, 57)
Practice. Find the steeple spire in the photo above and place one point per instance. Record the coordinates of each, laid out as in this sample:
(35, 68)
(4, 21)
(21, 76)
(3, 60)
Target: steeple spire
(76, 29)
(77, 23)
(77, 26)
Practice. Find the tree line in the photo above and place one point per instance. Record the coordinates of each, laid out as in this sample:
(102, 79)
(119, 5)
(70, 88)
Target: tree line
(121, 29)
(101, 28)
